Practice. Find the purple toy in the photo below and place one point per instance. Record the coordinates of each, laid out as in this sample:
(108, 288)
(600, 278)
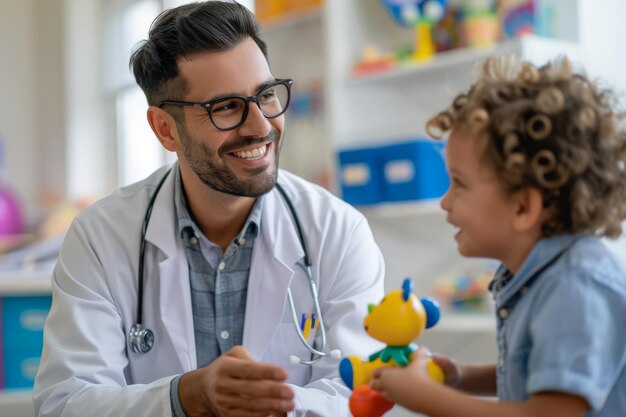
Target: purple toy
(10, 213)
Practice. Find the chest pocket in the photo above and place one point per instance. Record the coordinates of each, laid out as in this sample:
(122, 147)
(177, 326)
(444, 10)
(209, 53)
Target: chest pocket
(286, 343)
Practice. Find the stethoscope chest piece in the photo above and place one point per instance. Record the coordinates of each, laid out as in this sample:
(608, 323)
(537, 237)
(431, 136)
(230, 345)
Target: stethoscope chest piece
(141, 339)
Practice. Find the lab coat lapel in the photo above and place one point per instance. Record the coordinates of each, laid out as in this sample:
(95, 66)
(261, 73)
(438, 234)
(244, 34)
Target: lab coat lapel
(175, 309)
(174, 295)
(276, 252)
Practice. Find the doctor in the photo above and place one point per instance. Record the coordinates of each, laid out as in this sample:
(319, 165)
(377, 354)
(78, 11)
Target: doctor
(220, 251)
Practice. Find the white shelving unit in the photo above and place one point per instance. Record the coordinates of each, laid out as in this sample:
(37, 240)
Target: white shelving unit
(403, 209)
(17, 404)
(483, 322)
(533, 48)
(25, 282)
(388, 106)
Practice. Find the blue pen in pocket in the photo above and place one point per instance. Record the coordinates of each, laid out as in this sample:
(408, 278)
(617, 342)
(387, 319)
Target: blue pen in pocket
(308, 322)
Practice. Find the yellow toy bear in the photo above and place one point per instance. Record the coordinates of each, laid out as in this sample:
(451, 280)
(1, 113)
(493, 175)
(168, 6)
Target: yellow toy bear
(397, 320)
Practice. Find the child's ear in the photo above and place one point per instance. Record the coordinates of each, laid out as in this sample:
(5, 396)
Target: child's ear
(164, 127)
(528, 209)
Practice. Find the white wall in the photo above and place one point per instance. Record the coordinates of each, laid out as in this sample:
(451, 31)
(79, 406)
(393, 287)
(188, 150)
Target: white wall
(602, 33)
(90, 138)
(18, 87)
(50, 110)
(32, 105)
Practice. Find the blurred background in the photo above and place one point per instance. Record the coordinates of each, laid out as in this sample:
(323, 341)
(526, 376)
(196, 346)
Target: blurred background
(368, 74)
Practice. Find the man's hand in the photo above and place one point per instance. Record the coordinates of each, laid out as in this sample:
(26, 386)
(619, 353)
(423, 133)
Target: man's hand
(235, 385)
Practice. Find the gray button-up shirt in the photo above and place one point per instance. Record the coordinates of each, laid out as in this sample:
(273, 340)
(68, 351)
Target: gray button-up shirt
(219, 284)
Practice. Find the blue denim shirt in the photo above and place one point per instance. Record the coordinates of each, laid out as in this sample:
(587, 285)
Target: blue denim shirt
(561, 325)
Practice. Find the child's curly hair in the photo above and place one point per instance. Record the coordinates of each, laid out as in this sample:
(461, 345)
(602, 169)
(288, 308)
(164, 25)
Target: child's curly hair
(550, 129)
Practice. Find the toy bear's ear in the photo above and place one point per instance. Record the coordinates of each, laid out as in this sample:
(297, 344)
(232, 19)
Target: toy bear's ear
(407, 288)
(432, 311)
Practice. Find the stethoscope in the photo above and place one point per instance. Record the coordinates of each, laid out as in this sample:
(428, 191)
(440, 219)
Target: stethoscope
(141, 339)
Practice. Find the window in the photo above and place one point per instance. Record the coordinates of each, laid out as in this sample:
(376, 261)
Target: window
(138, 150)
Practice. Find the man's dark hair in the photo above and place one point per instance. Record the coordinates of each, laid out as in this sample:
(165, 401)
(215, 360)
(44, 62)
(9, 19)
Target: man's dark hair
(210, 26)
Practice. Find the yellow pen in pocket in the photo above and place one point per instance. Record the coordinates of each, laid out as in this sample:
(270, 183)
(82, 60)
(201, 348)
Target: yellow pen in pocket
(306, 331)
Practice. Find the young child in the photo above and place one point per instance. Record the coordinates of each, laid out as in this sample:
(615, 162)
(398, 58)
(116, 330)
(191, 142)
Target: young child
(537, 167)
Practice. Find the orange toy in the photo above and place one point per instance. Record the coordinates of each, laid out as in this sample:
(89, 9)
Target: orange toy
(367, 402)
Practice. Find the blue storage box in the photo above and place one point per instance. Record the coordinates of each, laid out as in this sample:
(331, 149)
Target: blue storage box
(23, 319)
(1, 349)
(360, 175)
(414, 170)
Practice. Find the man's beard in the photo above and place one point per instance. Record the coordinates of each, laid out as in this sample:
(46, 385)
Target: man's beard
(215, 174)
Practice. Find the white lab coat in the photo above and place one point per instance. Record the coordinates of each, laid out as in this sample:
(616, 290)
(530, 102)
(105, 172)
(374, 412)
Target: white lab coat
(87, 367)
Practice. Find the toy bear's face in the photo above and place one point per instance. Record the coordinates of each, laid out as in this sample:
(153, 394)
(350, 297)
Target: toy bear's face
(394, 321)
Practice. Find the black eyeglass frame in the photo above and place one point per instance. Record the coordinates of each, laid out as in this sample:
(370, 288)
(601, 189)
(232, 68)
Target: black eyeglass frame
(287, 82)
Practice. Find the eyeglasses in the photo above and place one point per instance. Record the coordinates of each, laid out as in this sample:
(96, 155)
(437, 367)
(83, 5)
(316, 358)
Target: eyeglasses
(227, 113)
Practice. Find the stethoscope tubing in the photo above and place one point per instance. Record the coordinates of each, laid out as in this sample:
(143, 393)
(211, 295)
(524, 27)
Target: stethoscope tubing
(142, 247)
(294, 316)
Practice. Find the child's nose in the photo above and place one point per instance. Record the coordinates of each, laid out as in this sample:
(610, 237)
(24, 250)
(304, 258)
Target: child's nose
(445, 201)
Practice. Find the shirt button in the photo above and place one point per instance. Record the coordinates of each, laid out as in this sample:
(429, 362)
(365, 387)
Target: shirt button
(524, 290)
(222, 265)
(224, 335)
(501, 363)
(242, 240)
(193, 240)
(504, 313)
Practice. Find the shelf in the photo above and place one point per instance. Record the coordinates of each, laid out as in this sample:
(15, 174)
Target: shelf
(533, 48)
(466, 322)
(291, 19)
(15, 397)
(402, 209)
(26, 282)
(17, 403)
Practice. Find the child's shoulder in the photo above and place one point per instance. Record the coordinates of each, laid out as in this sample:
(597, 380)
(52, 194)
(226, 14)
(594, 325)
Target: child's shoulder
(589, 258)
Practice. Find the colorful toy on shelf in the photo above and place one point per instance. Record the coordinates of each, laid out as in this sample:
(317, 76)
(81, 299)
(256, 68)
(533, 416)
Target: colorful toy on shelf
(421, 15)
(372, 61)
(271, 12)
(481, 26)
(11, 221)
(447, 33)
(518, 17)
(397, 320)
(465, 292)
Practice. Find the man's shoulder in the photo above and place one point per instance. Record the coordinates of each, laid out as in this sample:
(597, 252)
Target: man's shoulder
(126, 202)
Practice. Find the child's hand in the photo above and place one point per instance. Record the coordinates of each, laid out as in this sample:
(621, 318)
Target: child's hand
(400, 384)
(450, 368)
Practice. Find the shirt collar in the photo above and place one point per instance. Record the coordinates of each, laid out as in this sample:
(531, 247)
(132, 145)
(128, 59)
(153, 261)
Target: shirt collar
(505, 285)
(184, 219)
